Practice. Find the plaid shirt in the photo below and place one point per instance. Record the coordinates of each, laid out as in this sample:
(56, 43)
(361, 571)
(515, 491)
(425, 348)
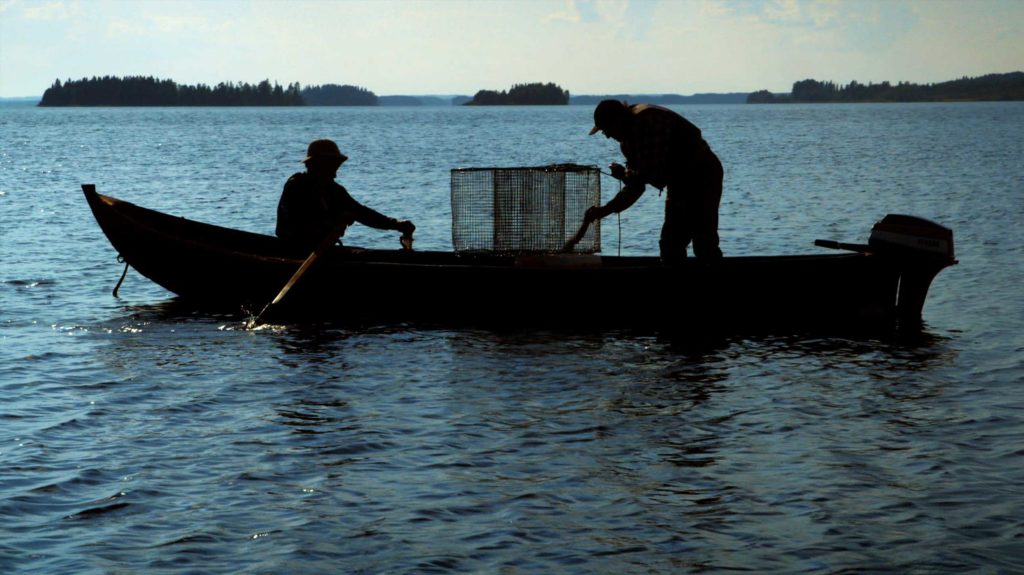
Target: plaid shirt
(661, 145)
(308, 210)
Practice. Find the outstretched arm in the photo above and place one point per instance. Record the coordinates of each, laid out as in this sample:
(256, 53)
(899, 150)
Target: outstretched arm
(627, 196)
(371, 217)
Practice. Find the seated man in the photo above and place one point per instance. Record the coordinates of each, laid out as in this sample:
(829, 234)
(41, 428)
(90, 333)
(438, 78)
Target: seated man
(313, 205)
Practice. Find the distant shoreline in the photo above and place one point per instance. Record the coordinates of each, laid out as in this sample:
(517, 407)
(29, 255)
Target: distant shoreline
(431, 100)
(26, 100)
(988, 88)
(83, 93)
(407, 103)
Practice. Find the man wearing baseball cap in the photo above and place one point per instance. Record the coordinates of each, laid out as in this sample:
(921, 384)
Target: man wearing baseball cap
(313, 205)
(665, 150)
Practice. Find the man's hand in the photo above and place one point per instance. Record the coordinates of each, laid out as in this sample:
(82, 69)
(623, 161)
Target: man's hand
(618, 170)
(406, 227)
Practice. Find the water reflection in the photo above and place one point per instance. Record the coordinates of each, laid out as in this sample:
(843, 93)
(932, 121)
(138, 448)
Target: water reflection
(480, 440)
(174, 311)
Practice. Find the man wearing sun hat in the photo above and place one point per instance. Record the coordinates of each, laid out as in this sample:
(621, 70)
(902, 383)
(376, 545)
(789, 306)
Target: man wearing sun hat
(312, 204)
(665, 150)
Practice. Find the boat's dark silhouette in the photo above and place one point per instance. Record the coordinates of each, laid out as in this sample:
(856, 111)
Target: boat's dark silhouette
(882, 283)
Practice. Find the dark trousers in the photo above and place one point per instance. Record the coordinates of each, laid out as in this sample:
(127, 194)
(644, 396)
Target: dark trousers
(691, 212)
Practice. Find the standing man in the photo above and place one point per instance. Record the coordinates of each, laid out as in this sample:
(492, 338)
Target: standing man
(665, 150)
(313, 205)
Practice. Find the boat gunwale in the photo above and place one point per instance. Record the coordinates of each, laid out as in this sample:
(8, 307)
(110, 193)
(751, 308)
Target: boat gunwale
(371, 256)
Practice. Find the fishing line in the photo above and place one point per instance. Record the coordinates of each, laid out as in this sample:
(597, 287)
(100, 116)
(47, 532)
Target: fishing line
(618, 215)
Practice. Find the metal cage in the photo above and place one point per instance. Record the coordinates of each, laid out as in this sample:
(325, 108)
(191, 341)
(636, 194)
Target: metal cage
(525, 209)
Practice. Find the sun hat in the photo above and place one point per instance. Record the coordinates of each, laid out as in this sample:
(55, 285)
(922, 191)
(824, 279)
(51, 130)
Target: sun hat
(323, 149)
(605, 111)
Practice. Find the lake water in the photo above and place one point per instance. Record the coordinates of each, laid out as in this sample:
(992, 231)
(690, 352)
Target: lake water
(137, 437)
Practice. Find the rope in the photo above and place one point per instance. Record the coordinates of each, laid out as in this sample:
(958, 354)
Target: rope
(618, 217)
(123, 274)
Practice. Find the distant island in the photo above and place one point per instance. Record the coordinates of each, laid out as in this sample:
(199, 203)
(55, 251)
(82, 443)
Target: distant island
(665, 99)
(417, 100)
(991, 87)
(335, 95)
(536, 94)
(149, 91)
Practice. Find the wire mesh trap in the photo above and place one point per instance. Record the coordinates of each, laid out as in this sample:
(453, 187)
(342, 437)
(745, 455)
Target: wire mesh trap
(524, 209)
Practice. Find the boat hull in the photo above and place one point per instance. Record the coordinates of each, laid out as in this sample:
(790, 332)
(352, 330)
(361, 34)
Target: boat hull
(236, 271)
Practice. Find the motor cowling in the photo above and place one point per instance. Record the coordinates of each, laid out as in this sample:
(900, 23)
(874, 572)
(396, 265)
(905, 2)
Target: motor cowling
(910, 235)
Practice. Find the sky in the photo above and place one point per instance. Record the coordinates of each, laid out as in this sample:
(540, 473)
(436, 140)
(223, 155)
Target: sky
(447, 47)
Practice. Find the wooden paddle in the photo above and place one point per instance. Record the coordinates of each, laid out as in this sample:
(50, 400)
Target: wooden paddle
(325, 244)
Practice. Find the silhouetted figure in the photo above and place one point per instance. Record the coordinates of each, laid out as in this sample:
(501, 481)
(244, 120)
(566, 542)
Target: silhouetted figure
(313, 204)
(665, 150)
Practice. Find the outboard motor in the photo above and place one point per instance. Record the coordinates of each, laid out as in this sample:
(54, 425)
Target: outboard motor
(911, 251)
(911, 236)
(918, 249)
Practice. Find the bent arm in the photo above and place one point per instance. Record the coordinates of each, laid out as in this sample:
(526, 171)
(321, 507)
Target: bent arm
(626, 197)
(372, 218)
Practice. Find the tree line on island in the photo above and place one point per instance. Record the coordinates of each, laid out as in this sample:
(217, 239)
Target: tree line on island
(991, 87)
(150, 91)
(523, 95)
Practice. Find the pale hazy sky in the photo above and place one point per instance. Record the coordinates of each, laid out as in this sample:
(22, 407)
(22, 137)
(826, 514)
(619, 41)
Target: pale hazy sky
(458, 47)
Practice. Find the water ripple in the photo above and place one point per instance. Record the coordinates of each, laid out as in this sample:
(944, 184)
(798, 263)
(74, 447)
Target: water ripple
(142, 435)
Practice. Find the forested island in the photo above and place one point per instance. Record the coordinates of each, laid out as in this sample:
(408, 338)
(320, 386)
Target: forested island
(991, 87)
(149, 91)
(335, 95)
(536, 94)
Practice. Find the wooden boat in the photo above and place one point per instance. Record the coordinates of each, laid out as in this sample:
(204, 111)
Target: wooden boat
(882, 283)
